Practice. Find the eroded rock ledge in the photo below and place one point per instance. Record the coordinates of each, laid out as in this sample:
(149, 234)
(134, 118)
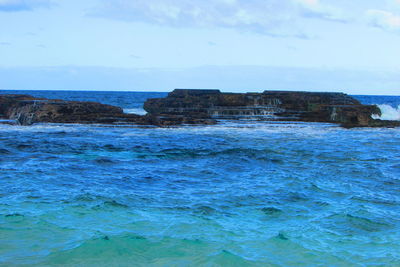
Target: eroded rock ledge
(184, 106)
(269, 105)
(27, 110)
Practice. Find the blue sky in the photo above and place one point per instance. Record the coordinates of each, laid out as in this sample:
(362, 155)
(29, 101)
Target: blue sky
(235, 45)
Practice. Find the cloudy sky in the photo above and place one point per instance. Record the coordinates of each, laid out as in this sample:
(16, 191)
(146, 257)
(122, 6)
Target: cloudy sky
(235, 45)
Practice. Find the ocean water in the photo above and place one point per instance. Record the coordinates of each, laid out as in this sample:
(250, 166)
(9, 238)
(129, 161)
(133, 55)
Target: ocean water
(234, 194)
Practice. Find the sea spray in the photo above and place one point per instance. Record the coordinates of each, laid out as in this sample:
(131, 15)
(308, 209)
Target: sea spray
(388, 112)
(138, 111)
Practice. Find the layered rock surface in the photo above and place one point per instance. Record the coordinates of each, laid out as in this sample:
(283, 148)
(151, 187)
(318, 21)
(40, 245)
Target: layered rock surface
(269, 105)
(26, 110)
(183, 106)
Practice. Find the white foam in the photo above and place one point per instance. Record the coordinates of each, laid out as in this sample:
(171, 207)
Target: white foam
(388, 113)
(138, 111)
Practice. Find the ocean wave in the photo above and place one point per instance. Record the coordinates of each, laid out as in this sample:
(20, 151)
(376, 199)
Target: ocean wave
(267, 155)
(123, 250)
(234, 194)
(388, 112)
(138, 111)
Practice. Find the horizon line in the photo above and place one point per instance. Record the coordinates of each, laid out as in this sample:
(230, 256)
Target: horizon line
(223, 91)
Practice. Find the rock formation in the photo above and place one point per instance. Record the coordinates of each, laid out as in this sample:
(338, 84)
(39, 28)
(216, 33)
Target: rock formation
(26, 110)
(269, 105)
(183, 106)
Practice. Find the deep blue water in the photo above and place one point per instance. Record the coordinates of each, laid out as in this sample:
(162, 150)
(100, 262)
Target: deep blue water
(125, 100)
(234, 194)
(393, 101)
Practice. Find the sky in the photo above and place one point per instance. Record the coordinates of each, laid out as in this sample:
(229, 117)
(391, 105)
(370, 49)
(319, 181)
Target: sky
(234, 45)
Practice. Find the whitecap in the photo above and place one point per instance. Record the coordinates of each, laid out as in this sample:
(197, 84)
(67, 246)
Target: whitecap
(388, 112)
(138, 111)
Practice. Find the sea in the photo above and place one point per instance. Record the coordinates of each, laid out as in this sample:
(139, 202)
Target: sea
(239, 193)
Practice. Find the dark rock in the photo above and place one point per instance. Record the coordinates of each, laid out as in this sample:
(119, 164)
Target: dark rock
(184, 106)
(373, 123)
(56, 111)
(8, 101)
(269, 105)
(27, 110)
(193, 92)
(213, 103)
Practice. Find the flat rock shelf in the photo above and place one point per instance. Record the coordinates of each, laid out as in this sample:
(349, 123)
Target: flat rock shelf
(268, 106)
(197, 106)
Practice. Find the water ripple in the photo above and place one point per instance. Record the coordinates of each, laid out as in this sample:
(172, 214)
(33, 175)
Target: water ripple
(254, 194)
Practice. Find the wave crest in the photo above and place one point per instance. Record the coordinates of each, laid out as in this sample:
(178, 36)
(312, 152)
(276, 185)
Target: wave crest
(388, 112)
(138, 111)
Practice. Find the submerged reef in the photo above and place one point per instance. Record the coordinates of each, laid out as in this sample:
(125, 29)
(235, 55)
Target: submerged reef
(191, 106)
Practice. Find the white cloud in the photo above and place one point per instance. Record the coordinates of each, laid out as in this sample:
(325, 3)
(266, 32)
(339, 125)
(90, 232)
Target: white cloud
(384, 19)
(315, 9)
(272, 17)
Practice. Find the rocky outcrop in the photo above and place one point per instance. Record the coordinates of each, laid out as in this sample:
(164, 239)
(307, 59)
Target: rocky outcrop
(26, 110)
(30, 111)
(199, 107)
(269, 105)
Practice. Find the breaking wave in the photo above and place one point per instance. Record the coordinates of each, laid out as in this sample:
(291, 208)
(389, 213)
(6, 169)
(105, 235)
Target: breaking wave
(138, 111)
(388, 112)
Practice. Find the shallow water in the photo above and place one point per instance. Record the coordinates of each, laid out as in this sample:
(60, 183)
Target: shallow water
(234, 194)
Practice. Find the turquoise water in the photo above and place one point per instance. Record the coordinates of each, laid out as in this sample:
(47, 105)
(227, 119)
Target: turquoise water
(234, 194)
